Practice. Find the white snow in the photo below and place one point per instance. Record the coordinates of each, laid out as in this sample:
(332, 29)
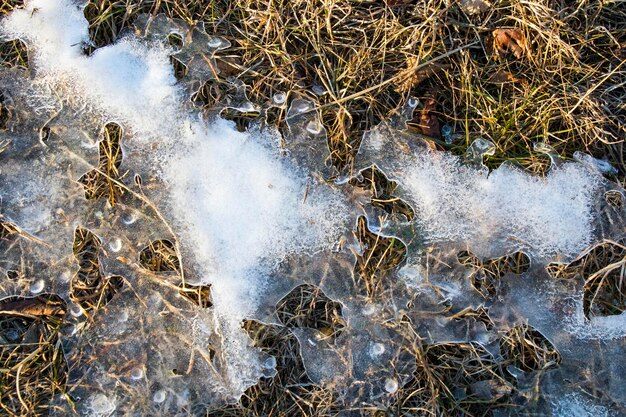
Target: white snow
(498, 212)
(231, 197)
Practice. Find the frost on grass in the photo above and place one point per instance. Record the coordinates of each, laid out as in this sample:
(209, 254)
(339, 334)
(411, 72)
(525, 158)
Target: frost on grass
(246, 222)
(457, 200)
(235, 206)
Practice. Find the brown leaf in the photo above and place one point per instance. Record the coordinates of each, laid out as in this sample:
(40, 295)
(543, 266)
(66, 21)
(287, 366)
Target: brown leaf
(37, 306)
(410, 77)
(428, 121)
(475, 6)
(502, 77)
(510, 40)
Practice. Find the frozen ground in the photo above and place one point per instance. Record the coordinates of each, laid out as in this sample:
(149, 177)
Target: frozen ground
(252, 215)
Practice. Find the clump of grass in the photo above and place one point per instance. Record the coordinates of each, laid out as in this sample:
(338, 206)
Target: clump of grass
(7, 6)
(103, 181)
(197, 294)
(89, 287)
(290, 392)
(14, 53)
(160, 256)
(526, 348)
(487, 274)
(33, 365)
(453, 379)
(382, 190)
(5, 113)
(308, 306)
(603, 269)
(379, 255)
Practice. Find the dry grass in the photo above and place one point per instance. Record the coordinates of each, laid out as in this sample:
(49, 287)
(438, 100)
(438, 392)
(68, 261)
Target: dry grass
(453, 379)
(289, 393)
(89, 287)
(526, 348)
(486, 275)
(379, 256)
(32, 364)
(603, 270)
(103, 181)
(359, 61)
(307, 306)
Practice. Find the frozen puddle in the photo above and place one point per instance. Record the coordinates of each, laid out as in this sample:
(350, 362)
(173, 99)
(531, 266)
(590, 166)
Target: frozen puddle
(133, 192)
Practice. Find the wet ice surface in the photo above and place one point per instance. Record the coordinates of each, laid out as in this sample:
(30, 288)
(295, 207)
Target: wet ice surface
(252, 216)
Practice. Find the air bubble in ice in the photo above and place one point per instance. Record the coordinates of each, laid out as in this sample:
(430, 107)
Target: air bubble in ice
(544, 148)
(159, 396)
(136, 374)
(123, 316)
(270, 362)
(216, 42)
(37, 286)
(391, 385)
(480, 148)
(76, 310)
(302, 106)
(369, 309)
(101, 405)
(129, 218)
(314, 127)
(116, 244)
(279, 98)
(319, 90)
(377, 349)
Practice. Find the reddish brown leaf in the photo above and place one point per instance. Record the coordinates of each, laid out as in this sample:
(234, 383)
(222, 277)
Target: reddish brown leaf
(508, 40)
(502, 77)
(428, 121)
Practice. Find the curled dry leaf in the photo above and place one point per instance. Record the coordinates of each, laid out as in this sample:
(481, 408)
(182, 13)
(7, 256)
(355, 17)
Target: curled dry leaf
(474, 6)
(507, 40)
(411, 76)
(503, 77)
(428, 121)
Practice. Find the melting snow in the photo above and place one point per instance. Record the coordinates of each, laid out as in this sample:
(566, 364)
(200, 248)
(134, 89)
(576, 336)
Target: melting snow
(241, 210)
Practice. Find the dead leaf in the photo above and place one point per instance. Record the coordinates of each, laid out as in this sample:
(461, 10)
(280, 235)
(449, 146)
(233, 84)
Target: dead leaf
(510, 40)
(474, 6)
(411, 77)
(428, 121)
(503, 77)
(38, 306)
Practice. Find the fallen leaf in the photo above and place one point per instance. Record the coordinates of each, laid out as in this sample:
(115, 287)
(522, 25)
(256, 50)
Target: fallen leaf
(510, 40)
(502, 77)
(37, 306)
(474, 6)
(411, 77)
(428, 121)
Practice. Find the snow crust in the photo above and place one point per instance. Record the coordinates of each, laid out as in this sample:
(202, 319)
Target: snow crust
(493, 213)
